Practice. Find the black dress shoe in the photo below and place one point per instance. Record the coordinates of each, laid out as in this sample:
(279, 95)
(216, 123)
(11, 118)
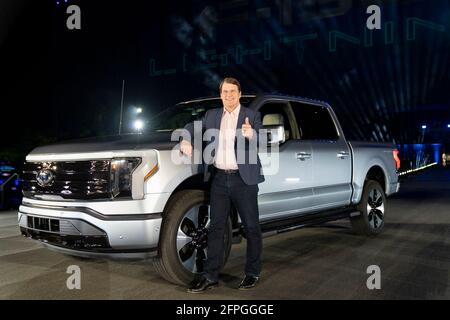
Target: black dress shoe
(248, 283)
(202, 285)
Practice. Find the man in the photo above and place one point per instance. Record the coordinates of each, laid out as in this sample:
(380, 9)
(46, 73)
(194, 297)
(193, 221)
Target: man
(232, 183)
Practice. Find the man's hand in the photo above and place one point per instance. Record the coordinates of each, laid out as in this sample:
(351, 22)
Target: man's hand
(247, 130)
(186, 148)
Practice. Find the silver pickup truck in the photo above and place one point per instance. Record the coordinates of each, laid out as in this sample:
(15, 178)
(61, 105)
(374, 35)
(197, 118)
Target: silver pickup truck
(125, 197)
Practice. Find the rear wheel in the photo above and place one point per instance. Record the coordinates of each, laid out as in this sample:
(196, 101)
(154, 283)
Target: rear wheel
(372, 208)
(184, 234)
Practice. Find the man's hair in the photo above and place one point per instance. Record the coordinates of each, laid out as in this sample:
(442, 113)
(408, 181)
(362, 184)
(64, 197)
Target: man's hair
(231, 81)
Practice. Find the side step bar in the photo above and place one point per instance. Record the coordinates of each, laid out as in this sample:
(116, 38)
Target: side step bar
(274, 227)
(277, 226)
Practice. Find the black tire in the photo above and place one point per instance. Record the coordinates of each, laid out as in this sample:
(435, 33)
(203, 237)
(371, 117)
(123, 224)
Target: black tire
(173, 262)
(372, 208)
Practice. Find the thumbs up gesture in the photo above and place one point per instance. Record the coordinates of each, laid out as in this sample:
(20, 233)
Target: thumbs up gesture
(247, 130)
(186, 148)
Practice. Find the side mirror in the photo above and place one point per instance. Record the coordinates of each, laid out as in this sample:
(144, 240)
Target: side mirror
(275, 134)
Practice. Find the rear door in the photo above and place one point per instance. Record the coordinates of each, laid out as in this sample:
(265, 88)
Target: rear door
(331, 155)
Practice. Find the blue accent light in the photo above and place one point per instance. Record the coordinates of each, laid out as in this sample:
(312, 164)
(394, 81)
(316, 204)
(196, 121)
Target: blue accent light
(418, 155)
(424, 126)
(436, 151)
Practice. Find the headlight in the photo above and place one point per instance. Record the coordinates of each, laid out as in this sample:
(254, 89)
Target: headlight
(121, 176)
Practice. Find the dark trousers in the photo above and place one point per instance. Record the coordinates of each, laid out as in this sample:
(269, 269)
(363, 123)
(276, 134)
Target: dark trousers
(226, 189)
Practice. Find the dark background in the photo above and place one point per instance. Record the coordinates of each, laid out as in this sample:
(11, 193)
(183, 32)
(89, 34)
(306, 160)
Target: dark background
(59, 84)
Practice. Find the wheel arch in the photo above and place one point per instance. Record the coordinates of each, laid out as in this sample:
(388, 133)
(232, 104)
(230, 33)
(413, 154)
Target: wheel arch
(374, 172)
(196, 182)
(377, 173)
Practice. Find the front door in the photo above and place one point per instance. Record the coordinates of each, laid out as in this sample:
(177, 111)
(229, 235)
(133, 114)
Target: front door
(287, 189)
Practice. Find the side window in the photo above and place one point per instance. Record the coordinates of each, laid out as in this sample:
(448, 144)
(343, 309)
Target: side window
(315, 122)
(273, 108)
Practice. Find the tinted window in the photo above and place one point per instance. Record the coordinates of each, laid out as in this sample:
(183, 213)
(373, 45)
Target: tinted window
(315, 122)
(277, 108)
(181, 114)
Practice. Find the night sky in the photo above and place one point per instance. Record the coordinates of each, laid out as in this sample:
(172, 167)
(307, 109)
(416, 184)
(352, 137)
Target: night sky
(59, 84)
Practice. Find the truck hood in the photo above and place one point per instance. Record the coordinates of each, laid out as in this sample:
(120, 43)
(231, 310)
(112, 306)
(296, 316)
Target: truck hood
(156, 140)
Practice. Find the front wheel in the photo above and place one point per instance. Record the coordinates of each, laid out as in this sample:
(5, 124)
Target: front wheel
(372, 208)
(184, 234)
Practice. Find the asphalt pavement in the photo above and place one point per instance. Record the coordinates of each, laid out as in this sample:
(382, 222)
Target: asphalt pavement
(325, 262)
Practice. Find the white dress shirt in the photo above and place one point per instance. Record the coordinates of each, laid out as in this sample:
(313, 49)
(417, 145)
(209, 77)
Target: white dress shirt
(225, 155)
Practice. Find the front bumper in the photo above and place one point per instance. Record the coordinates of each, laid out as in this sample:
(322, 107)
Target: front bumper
(86, 232)
(110, 255)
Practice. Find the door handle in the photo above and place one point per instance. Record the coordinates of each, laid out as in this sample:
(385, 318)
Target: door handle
(303, 156)
(343, 154)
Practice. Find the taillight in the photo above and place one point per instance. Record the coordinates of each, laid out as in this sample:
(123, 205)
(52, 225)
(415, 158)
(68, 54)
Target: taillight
(396, 158)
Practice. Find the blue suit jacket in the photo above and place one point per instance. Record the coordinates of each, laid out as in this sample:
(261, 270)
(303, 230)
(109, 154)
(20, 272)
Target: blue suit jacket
(250, 173)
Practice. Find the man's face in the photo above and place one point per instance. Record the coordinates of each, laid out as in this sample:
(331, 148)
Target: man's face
(230, 96)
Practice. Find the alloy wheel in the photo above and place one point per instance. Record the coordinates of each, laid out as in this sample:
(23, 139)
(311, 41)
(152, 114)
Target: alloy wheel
(192, 238)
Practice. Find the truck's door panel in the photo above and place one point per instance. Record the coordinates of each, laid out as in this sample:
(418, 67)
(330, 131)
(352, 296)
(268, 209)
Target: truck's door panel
(331, 155)
(287, 191)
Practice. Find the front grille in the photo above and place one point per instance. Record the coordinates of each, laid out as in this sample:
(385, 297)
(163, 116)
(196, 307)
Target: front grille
(44, 224)
(78, 180)
(69, 233)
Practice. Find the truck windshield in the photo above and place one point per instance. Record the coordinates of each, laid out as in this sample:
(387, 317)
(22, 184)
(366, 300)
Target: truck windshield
(181, 114)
